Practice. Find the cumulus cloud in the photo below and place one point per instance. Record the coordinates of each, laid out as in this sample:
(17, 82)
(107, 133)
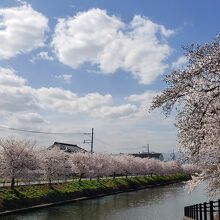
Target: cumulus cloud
(146, 96)
(17, 96)
(68, 102)
(66, 78)
(9, 78)
(139, 47)
(112, 112)
(42, 56)
(179, 63)
(143, 101)
(22, 29)
(137, 107)
(29, 120)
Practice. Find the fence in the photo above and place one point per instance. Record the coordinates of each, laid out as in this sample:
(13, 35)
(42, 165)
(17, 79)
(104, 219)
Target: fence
(203, 211)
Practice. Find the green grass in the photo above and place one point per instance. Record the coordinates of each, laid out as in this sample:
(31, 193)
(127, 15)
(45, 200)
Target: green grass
(38, 194)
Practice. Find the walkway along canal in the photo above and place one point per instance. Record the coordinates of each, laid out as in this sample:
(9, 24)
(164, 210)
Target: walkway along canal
(162, 203)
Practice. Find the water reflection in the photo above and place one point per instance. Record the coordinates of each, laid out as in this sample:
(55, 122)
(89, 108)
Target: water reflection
(164, 203)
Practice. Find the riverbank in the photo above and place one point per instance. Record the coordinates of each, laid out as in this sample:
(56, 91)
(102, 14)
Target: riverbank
(38, 196)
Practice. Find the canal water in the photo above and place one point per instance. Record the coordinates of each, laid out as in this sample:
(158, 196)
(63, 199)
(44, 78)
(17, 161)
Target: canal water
(162, 203)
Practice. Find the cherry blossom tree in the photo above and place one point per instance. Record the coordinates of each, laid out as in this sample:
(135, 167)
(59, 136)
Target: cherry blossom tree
(17, 159)
(103, 165)
(138, 166)
(190, 169)
(153, 167)
(81, 162)
(118, 165)
(172, 167)
(194, 91)
(128, 163)
(55, 164)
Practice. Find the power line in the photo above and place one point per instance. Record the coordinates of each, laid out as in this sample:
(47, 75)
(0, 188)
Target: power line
(102, 142)
(43, 132)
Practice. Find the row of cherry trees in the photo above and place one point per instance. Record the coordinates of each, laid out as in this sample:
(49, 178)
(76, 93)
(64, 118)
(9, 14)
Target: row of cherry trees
(20, 159)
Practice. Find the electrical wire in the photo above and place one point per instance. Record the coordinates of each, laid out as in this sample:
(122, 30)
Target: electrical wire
(43, 132)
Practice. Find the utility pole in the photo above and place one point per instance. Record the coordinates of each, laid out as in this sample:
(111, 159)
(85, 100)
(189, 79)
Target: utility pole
(173, 155)
(148, 150)
(90, 141)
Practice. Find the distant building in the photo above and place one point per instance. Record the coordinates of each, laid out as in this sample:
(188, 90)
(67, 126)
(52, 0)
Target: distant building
(70, 148)
(152, 155)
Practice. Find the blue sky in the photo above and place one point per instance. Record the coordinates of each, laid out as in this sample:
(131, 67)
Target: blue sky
(67, 66)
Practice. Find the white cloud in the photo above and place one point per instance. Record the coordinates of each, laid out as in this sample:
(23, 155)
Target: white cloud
(28, 120)
(42, 56)
(16, 96)
(68, 102)
(9, 78)
(143, 101)
(139, 47)
(112, 112)
(22, 29)
(180, 62)
(137, 107)
(146, 96)
(66, 78)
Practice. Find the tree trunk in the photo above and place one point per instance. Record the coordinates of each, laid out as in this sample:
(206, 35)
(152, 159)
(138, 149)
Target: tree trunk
(114, 175)
(80, 177)
(12, 183)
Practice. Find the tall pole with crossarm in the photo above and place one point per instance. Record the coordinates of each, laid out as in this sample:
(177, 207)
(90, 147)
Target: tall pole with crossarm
(90, 141)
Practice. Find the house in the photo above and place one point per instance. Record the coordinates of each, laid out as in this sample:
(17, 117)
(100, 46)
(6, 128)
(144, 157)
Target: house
(70, 148)
(153, 155)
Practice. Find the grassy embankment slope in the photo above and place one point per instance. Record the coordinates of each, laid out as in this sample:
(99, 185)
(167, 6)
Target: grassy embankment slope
(27, 196)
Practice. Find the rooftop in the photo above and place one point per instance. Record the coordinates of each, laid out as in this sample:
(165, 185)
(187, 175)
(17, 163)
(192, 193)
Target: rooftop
(67, 147)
